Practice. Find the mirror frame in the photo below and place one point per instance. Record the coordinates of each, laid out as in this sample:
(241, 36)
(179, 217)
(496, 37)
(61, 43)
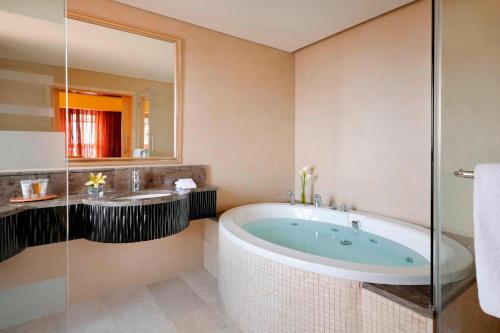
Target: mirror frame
(178, 89)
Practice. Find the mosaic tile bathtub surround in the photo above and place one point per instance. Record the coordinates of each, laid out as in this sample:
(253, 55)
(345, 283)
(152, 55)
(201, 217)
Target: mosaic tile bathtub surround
(381, 315)
(210, 246)
(261, 295)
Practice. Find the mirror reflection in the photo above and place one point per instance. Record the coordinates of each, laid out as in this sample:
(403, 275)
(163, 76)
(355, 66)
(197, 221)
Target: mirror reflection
(120, 100)
(121, 96)
(32, 60)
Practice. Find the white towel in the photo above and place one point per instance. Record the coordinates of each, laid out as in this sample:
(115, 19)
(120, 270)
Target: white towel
(487, 236)
(185, 183)
(138, 152)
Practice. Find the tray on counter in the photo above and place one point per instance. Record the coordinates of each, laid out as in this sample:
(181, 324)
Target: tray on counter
(21, 199)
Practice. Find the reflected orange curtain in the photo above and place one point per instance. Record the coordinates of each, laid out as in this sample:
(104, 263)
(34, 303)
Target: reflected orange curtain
(92, 133)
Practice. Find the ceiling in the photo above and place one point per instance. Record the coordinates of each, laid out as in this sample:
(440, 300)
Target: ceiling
(90, 47)
(283, 24)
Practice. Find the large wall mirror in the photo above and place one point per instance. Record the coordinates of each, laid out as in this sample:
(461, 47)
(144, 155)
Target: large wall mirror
(123, 93)
(121, 102)
(32, 63)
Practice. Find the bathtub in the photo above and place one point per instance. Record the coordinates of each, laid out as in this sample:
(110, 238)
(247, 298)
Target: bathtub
(456, 258)
(282, 268)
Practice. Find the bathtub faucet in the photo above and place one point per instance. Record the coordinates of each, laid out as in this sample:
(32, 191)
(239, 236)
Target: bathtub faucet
(291, 196)
(356, 224)
(317, 200)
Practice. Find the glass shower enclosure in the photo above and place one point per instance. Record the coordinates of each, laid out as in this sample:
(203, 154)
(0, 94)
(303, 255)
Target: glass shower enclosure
(33, 278)
(466, 133)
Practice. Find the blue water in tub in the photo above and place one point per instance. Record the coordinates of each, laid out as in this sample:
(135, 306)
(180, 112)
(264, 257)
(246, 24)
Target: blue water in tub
(334, 241)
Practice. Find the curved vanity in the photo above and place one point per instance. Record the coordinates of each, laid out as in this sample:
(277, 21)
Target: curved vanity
(114, 218)
(135, 217)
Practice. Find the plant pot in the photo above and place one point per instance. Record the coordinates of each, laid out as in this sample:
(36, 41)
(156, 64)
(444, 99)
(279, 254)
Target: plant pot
(96, 191)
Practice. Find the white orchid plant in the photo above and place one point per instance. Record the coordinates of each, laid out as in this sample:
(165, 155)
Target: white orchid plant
(305, 175)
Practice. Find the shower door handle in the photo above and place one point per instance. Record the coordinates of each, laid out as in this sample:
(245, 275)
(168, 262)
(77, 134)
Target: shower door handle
(464, 174)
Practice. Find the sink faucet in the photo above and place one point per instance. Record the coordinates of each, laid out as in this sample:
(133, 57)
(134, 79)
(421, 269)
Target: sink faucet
(291, 196)
(136, 180)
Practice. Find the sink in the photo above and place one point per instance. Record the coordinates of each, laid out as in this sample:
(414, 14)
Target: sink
(135, 216)
(145, 196)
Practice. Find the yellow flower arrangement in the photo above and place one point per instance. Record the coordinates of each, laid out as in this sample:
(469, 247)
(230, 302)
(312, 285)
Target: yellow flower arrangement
(96, 180)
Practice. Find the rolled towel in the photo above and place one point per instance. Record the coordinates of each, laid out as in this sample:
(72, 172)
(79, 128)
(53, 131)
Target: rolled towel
(185, 184)
(138, 152)
(487, 236)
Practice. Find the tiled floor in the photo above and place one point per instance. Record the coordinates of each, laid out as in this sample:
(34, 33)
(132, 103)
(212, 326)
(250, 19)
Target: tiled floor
(187, 303)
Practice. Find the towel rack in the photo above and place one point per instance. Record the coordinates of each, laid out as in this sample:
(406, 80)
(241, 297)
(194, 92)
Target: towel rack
(464, 174)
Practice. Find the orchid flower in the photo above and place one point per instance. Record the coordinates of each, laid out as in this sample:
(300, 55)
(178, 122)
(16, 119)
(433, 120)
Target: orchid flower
(96, 180)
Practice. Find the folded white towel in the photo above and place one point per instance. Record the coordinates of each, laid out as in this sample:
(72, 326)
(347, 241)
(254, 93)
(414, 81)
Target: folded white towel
(185, 183)
(138, 152)
(487, 236)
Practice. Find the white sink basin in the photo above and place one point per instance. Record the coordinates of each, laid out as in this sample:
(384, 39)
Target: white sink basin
(145, 196)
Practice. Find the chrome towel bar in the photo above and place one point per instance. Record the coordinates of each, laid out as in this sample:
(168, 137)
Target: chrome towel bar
(464, 174)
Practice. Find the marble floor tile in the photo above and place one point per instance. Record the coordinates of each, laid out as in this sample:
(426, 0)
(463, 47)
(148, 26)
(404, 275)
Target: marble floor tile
(203, 284)
(175, 297)
(208, 292)
(88, 316)
(173, 287)
(230, 329)
(49, 324)
(219, 311)
(136, 311)
(202, 320)
(187, 303)
(197, 278)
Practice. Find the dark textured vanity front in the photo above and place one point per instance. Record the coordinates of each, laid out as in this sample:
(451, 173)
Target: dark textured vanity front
(115, 218)
(31, 227)
(135, 223)
(10, 243)
(202, 204)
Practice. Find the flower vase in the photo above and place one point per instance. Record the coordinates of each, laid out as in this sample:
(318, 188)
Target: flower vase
(303, 197)
(96, 191)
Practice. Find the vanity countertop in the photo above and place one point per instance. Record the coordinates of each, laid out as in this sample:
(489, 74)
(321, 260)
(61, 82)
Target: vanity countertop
(118, 199)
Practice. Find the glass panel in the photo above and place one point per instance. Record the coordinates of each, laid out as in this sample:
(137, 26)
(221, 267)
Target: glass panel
(468, 130)
(33, 241)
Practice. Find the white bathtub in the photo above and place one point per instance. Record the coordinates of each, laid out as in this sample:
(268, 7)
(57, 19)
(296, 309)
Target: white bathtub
(457, 259)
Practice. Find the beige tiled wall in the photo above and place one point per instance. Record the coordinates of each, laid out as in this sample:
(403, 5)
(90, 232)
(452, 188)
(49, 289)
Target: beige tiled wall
(261, 295)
